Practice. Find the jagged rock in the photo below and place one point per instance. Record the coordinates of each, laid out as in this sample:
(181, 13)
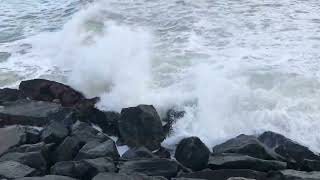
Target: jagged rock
(32, 135)
(45, 90)
(12, 170)
(86, 133)
(224, 174)
(151, 167)
(26, 112)
(288, 150)
(55, 132)
(84, 169)
(137, 153)
(95, 149)
(172, 116)
(67, 150)
(48, 177)
(192, 153)
(64, 115)
(107, 121)
(11, 137)
(35, 159)
(310, 165)
(141, 126)
(45, 148)
(247, 145)
(290, 174)
(8, 94)
(120, 176)
(162, 153)
(237, 161)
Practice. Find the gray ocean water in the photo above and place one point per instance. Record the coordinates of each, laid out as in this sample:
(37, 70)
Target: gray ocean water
(235, 66)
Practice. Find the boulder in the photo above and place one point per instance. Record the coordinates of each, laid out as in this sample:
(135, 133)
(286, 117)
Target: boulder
(107, 121)
(8, 94)
(141, 126)
(290, 174)
(84, 169)
(120, 176)
(45, 148)
(67, 150)
(289, 150)
(45, 90)
(151, 167)
(95, 149)
(225, 174)
(32, 135)
(47, 177)
(138, 153)
(238, 161)
(11, 137)
(86, 133)
(246, 145)
(192, 153)
(310, 165)
(13, 170)
(65, 115)
(162, 153)
(172, 116)
(26, 112)
(54, 132)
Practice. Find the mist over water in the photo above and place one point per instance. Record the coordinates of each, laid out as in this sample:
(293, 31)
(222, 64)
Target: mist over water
(233, 66)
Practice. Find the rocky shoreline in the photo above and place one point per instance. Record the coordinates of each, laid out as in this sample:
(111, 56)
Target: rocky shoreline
(49, 131)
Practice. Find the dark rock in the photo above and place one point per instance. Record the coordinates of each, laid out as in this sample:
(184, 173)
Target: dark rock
(67, 150)
(224, 174)
(310, 165)
(26, 112)
(86, 133)
(32, 135)
(7, 94)
(286, 148)
(237, 161)
(192, 153)
(172, 116)
(120, 176)
(55, 132)
(48, 177)
(45, 90)
(45, 148)
(290, 174)
(151, 167)
(95, 149)
(11, 137)
(137, 153)
(141, 126)
(246, 145)
(162, 153)
(186, 179)
(84, 169)
(12, 170)
(66, 116)
(107, 121)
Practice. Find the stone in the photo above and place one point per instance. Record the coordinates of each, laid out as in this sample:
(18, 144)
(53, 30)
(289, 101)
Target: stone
(192, 153)
(141, 126)
(224, 174)
(65, 115)
(11, 137)
(120, 176)
(95, 149)
(238, 161)
(55, 132)
(67, 150)
(290, 174)
(172, 116)
(26, 112)
(151, 167)
(47, 177)
(8, 94)
(86, 133)
(162, 153)
(107, 121)
(13, 170)
(137, 153)
(310, 165)
(32, 135)
(246, 145)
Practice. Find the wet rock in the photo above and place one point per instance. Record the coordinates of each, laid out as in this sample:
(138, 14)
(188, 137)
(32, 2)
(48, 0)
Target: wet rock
(246, 145)
(11, 137)
(67, 150)
(237, 161)
(48, 177)
(162, 153)
(141, 126)
(8, 94)
(151, 167)
(239, 178)
(26, 112)
(64, 115)
(12, 170)
(172, 116)
(86, 133)
(45, 148)
(224, 174)
(290, 174)
(45, 90)
(32, 135)
(310, 165)
(84, 169)
(120, 176)
(186, 179)
(95, 149)
(289, 150)
(107, 121)
(55, 132)
(137, 153)
(192, 153)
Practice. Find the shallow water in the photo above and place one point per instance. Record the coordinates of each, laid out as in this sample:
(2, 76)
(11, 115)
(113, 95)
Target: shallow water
(233, 66)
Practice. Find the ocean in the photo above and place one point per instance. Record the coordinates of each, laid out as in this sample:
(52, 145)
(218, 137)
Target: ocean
(234, 66)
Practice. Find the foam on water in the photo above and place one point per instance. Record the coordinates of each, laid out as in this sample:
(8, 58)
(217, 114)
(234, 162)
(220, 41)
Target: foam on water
(234, 67)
